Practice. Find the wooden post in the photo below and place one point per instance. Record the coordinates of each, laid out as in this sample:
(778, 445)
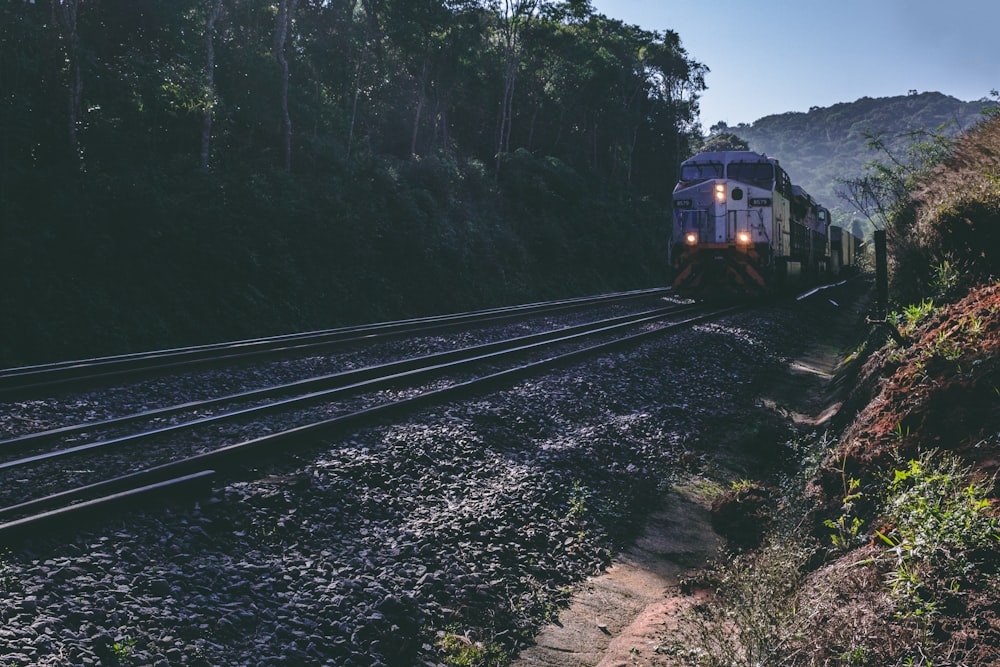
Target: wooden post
(882, 289)
(881, 273)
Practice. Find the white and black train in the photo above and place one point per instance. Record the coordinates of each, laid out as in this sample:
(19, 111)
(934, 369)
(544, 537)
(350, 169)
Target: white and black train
(741, 229)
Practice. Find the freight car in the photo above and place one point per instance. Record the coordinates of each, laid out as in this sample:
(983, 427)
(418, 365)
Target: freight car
(742, 229)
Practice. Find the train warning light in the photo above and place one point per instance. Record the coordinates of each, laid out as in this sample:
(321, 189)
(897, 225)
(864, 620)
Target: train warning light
(743, 237)
(691, 238)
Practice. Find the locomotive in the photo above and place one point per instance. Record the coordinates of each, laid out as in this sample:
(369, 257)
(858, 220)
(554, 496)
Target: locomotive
(742, 229)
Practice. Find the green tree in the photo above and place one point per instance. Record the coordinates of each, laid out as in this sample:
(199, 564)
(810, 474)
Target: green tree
(725, 141)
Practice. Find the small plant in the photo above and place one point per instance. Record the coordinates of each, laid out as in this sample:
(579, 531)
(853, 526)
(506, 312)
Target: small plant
(847, 528)
(577, 500)
(939, 520)
(912, 315)
(972, 326)
(856, 656)
(945, 347)
(461, 651)
(123, 650)
(8, 577)
(945, 278)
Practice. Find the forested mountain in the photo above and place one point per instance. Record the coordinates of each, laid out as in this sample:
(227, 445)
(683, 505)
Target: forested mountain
(826, 144)
(180, 171)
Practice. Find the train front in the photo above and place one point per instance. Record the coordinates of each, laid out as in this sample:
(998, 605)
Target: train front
(723, 224)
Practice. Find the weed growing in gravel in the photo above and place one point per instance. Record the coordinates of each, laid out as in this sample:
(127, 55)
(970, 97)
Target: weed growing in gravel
(123, 650)
(578, 500)
(459, 650)
(8, 578)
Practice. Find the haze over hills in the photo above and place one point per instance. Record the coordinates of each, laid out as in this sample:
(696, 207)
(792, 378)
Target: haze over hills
(826, 144)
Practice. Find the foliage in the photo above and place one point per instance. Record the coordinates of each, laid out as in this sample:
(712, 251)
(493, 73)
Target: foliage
(885, 194)
(147, 203)
(884, 189)
(955, 219)
(459, 650)
(940, 518)
(847, 528)
(725, 141)
(912, 315)
(946, 278)
(577, 500)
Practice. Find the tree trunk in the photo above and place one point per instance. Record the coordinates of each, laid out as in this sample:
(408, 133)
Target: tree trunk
(421, 97)
(206, 124)
(513, 13)
(281, 29)
(354, 106)
(64, 15)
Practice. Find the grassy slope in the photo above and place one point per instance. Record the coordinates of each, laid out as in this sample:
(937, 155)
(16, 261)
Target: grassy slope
(887, 601)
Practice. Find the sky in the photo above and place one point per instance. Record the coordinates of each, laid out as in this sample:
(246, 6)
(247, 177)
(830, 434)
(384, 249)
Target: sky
(773, 56)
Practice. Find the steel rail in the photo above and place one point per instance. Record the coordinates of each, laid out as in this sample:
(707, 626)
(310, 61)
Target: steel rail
(61, 506)
(27, 379)
(372, 377)
(332, 380)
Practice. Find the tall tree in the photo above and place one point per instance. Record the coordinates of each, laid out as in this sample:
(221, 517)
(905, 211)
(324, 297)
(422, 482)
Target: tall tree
(64, 19)
(209, 111)
(282, 27)
(512, 17)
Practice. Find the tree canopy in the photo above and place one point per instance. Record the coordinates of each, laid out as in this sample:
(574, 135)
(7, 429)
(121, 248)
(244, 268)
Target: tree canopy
(173, 171)
(101, 84)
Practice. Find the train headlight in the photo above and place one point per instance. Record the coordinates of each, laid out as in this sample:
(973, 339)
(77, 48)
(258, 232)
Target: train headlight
(691, 238)
(720, 192)
(743, 237)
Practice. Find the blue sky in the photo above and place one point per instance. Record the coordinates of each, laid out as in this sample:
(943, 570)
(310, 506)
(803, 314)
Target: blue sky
(772, 56)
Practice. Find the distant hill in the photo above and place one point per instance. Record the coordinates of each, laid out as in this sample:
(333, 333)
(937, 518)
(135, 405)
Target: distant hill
(824, 144)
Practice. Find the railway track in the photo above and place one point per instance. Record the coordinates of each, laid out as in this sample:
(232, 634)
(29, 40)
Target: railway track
(28, 380)
(66, 468)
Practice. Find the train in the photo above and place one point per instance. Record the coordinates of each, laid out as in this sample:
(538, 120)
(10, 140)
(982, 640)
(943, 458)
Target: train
(742, 229)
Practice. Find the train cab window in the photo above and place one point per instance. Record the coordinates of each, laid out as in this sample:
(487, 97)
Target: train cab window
(756, 173)
(695, 173)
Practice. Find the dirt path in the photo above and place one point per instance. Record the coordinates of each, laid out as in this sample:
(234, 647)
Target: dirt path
(614, 617)
(617, 619)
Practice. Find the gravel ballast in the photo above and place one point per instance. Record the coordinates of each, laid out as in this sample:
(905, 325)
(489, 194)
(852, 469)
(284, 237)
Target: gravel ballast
(463, 526)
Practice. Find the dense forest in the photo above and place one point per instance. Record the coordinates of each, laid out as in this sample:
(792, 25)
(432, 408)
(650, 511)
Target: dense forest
(183, 171)
(827, 145)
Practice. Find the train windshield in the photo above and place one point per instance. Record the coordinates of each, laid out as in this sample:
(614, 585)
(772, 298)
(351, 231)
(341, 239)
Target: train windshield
(693, 173)
(756, 173)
